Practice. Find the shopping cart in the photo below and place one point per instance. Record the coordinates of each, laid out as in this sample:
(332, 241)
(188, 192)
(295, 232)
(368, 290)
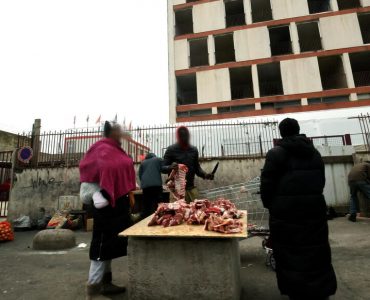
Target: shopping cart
(246, 196)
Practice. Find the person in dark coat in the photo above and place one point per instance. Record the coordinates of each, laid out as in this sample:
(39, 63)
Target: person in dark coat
(182, 152)
(151, 183)
(358, 181)
(107, 177)
(292, 184)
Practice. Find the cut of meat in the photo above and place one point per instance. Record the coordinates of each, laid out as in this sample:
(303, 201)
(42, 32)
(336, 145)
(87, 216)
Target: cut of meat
(221, 215)
(177, 182)
(219, 224)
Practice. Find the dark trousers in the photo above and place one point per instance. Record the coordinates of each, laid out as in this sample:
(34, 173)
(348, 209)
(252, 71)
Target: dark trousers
(151, 197)
(355, 187)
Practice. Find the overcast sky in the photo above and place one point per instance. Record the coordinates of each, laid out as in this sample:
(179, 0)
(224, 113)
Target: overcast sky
(60, 59)
(64, 58)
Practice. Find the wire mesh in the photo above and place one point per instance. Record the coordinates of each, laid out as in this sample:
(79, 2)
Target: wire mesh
(245, 196)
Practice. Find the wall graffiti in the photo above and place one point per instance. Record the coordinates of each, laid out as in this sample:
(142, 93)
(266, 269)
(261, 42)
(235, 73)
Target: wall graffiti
(43, 181)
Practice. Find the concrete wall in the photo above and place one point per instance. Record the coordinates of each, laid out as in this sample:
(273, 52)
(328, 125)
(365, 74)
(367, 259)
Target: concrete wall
(36, 188)
(340, 31)
(301, 75)
(213, 86)
(282, 9)
(201, 16)
(181, 54)
(252, 43)
(8, 141)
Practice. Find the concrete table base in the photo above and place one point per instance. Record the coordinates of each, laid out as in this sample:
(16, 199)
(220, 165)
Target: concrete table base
(183, 268)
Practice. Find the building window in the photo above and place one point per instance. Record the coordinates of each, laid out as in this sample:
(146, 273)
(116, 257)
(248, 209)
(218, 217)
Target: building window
(364, 20)
(194, 113)
(283, 104)
(184, 21)
(224, 47)
(198, 52)
(309, 36)
(318, 6)
(235, 15)
(269, 77)
(187, 89)
(332, 72)
(347, 4)
(360, 63)
(280, 41)
(238, 108)
(241, 83)
(280, 104)
(335, 99)
(261, 10)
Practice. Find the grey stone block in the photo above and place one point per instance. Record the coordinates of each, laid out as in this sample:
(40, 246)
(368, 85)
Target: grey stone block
(183, 269)
(54, 239)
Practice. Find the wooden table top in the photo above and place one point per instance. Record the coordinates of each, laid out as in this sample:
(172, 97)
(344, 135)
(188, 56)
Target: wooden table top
(142, 229)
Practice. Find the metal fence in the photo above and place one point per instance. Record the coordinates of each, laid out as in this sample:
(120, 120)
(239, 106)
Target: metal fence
(364, 120)
(214, 140)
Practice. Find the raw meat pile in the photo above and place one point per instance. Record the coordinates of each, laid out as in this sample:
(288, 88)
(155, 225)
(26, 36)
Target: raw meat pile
(177, 182)
(221, 215)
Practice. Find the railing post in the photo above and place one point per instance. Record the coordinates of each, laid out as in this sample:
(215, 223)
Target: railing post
(347, 140)
(261, 148)
(35, 142)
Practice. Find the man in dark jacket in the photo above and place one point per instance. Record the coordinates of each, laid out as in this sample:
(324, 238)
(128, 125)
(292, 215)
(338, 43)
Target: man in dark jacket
(184, 153)
(151, 183)
(359, 181)
(292, 183)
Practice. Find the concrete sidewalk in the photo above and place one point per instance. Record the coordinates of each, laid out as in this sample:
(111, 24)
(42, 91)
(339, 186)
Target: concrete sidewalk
(28, 274)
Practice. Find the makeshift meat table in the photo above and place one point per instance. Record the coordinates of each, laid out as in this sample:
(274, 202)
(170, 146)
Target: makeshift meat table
(183, 262)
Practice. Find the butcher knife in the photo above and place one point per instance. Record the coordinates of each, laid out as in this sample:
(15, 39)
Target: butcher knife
(215, 169)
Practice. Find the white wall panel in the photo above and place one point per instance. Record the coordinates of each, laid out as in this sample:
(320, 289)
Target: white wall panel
(300, 75)
(282, 9)
(175, 2)
(181, 54)
(365, 3)
(336, 188)
(340, 32)
(209, 16)
(213, 86)
(252, 43)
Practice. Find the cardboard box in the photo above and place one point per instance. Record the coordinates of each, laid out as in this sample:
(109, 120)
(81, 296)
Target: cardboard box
(89, 224)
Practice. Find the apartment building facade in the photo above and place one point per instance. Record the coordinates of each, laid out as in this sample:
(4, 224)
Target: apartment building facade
(240, 58)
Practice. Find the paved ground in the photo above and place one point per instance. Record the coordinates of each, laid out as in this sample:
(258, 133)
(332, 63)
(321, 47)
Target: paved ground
(28, 274)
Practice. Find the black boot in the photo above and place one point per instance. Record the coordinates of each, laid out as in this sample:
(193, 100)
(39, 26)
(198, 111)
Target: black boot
(109, 288)
(352, 217)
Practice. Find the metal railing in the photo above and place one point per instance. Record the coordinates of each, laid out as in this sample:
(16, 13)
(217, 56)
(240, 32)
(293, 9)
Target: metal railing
(364, 120)
(332, 140)
(214, 140)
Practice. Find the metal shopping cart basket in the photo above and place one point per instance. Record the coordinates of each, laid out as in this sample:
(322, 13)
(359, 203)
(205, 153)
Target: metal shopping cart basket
(246, 196)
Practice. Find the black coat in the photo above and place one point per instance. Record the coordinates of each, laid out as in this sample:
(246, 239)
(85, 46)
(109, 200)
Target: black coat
(188, 157)
(292, 184)
(108, 223)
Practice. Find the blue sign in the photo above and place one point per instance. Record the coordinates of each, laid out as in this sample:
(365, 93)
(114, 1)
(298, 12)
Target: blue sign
(25, 154)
